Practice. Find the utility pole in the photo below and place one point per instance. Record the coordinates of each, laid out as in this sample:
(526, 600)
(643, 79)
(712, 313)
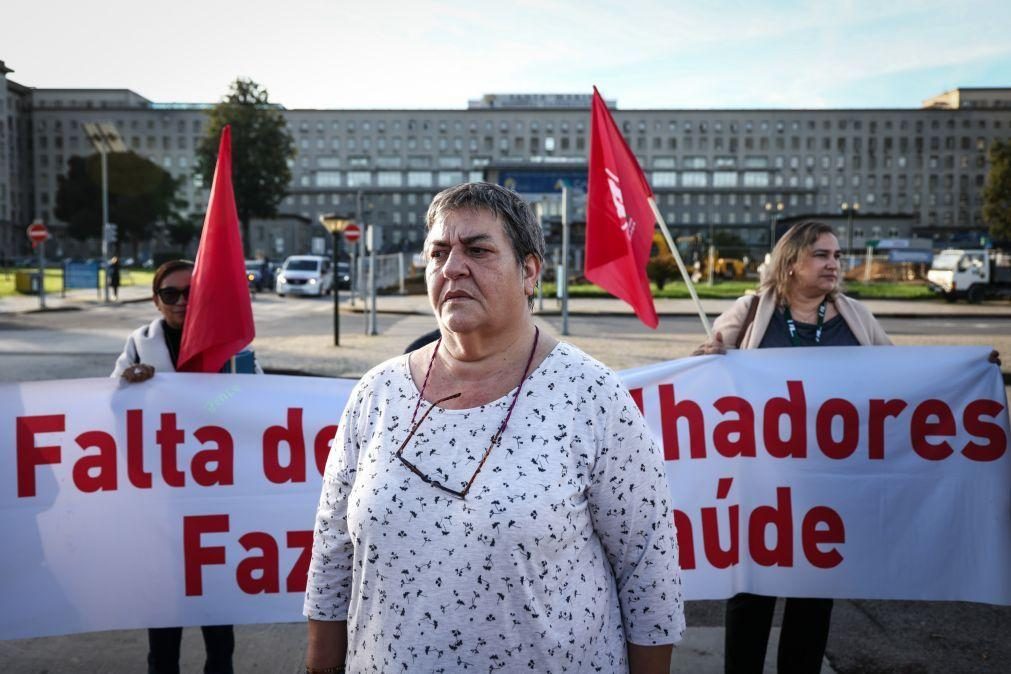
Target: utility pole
(564, 276)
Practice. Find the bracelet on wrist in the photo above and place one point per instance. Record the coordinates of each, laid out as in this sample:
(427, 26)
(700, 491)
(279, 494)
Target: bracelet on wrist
(336, 669)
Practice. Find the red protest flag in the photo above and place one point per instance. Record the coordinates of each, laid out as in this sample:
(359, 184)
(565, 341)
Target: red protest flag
(619, 218)
(219, 319)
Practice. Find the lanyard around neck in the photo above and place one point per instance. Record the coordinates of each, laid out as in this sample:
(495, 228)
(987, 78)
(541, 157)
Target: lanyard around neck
(792, 326)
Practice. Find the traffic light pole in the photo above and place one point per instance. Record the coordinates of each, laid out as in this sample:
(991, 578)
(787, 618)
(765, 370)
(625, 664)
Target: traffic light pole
(336, 290)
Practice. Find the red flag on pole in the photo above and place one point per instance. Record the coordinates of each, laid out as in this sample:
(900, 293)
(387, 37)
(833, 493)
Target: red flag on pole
(219, 319)
(619, 219)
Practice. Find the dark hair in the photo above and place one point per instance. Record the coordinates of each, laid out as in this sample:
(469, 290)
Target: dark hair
(788, 250)
(517, 217)
(167, 268)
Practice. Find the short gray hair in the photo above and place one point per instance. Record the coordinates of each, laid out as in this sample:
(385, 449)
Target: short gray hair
(521, 226)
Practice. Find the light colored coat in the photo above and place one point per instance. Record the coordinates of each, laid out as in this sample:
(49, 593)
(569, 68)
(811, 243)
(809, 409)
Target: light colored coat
(859, 318)
(146, 345)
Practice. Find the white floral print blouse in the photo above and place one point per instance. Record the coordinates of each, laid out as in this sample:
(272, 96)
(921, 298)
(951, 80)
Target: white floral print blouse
(563, 549)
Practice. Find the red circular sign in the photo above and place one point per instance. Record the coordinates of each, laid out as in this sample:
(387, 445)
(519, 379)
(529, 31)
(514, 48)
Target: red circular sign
(352, 233)
(37, 232)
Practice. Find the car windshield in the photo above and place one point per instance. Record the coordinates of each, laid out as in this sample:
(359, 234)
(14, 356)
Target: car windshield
(946, 261)
(301, 265)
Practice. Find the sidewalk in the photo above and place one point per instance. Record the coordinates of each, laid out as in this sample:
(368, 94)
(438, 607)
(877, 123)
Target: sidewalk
(75, 300)
(579, 306)
(609, 306)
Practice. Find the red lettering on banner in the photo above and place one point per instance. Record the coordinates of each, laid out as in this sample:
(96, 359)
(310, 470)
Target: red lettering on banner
(686, 540)
(103, 463)
(258, 575)
(321, 446)
(921, 428)
(299, 573)
(636, 394)
(716, 555)
(291, 435)
(169, 437)
(222, 457)
(255, 574)
(670, 412)
(195, 555)
(820, 526)
(794, 408)
(30, 455)
(743, 426)
(780, 518)
(845, 410)
(812, 537)
(993, 433)
(881, 410)
(135, 450)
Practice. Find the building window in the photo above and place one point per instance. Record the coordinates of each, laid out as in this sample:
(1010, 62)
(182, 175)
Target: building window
(725, 179)
(756, 179)
(693, 179)
(359, 178)
(390, 179)
(419, 178)
(665, 179)
(450, 178)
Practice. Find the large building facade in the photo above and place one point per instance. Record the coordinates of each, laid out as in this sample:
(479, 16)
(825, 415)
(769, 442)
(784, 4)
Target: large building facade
(913, 171)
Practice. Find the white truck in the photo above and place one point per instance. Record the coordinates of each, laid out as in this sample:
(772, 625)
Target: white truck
(975, 274)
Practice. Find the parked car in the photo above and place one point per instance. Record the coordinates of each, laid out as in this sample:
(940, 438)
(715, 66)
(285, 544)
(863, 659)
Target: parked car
(259, 275)
(305, 275)
(344, 275)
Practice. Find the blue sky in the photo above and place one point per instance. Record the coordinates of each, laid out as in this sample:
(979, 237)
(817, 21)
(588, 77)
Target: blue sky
(439, 54)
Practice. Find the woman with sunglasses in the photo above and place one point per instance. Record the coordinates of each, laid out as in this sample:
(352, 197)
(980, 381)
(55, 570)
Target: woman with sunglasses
(155, 347)
(493, 500)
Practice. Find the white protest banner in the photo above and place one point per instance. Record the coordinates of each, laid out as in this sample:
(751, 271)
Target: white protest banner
(189, 499)
(861, 472)
(186, 500)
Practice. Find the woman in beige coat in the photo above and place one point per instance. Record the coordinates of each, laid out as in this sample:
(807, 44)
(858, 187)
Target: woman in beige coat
(798, 304)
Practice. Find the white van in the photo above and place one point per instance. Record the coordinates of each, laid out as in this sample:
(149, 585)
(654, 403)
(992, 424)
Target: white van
(305, 275)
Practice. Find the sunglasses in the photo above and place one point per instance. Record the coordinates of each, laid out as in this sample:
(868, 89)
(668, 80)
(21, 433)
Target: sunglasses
(170, 295)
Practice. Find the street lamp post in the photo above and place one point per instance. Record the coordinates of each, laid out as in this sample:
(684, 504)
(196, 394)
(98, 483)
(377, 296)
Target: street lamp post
(775, 210)
(105, 138)
(850, 210)
(335, 224)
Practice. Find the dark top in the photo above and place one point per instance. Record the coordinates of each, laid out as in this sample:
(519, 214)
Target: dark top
(835, 332)
(173, 338)
(114, 274)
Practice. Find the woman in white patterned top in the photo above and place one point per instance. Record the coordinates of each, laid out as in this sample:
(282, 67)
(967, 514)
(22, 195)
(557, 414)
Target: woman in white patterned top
(493, 501)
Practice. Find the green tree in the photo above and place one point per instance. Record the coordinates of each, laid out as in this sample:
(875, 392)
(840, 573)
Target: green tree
(181, 231)
(261, 150)
(142, 195)
(997, 191)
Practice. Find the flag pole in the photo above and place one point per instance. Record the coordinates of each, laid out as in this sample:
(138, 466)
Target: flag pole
(681, 266)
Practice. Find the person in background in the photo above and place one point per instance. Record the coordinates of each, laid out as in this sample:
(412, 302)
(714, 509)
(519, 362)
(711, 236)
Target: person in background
(114, 277)
(493, 500)
(798, 304)
(155, 347)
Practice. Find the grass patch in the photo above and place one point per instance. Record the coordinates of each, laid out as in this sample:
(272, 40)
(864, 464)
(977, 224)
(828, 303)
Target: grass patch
(733, 289)
(54, 280)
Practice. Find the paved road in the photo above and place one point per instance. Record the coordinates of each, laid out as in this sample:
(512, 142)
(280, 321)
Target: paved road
(296, 335)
